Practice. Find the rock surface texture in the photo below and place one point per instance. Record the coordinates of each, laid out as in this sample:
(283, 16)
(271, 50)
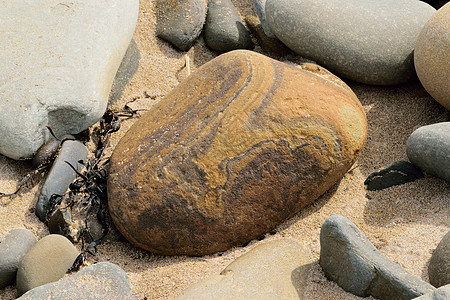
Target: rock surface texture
(180, 22)
(12, 250)
(432, 56)
(352, 261)
(439, 267)
(224, 30)
(100, 281)
(46, 262)
(335, 34)
(273, 270)
(428, 147)
(55, 69)
(241, 145)
(442, 293)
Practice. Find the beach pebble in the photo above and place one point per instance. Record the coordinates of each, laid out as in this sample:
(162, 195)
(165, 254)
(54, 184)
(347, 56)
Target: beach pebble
(224, 30)
(260, 7)
(348, 258)
(273, 270)
(334, 33)
(56, 70)
(238, 147)
(439, 267)
(12, 250)
(428, 147)
(442, 293)
(271, 46)
(180, 22)
(102, 280)
(61, 175)
(46, 262)
(432, 56)
(397, 173)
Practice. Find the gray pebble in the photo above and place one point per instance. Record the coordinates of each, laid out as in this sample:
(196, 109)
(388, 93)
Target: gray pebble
(12, 250)
(348, 258)
(439, 267)
(442, 293)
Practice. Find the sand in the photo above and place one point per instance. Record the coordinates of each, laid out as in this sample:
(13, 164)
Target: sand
(405, 222)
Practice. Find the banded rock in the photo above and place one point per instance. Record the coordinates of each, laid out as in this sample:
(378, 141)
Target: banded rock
(241, 145)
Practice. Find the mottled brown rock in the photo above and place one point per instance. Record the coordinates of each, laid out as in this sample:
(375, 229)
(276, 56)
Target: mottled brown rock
(241, 145)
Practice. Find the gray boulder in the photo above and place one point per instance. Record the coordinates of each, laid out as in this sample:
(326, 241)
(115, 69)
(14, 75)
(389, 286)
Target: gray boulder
(60, 175)
(100, 281)
(58, 63)
(180, 22)
(428, 147)
(348, 258)
(273, 270)
(260, 7)
(442, 293)
(439, 267)
(369, 41)
(12, 250)
(224, 30)
(46, 262)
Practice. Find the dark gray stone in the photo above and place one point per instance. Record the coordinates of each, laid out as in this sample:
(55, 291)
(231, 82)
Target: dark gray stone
(442, 293)
(428, 147)
(369, 41)
(60, 175)
(103, 280)
(12, 250)
(397, 173)
(224, 30)
(46, 262)
(180, 22)
(439, 267)
(348, 258)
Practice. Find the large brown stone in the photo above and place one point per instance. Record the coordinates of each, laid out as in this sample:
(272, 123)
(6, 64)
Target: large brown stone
(241, 145)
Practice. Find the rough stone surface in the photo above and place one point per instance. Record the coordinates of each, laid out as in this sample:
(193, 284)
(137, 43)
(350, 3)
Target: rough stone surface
(335, 34)
(60, 175)
(180, 22)
(352, 261)
(57, 70)
(260, 7)
(241, 145)
(439, 267)
(442, 293)
(273, 270)
(46, 262)
(428, 147)
(103, 280)
(224, 30)
(12, 250)
(397, 173)
(271, 46)
(432, 56)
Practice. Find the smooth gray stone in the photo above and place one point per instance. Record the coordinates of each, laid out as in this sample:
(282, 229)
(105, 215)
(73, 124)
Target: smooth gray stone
(369, 41)
(58, 62)
(274, 270)
(224, 30)
(46, 262)
(428, 147)
(439, 267)
(180, 22)
(260, 7)
(348, 258)
(442, 293)
(12, 250)
(60, 175)
(103, 280)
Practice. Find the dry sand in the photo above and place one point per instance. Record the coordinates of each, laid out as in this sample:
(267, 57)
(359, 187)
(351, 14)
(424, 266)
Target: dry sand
(405, 222)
